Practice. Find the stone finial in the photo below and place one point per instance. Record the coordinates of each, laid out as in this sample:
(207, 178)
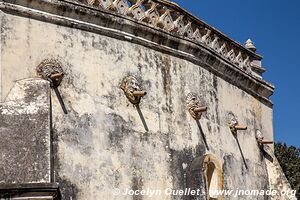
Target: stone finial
(249, 45)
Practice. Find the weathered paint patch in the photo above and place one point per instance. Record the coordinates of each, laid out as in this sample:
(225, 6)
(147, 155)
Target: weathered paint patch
(25, 133)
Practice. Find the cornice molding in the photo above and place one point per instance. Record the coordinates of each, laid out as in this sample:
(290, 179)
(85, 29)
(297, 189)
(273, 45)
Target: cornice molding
(124, 27)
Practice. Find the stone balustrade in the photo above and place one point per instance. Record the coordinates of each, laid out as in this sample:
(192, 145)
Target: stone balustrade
(169, 17)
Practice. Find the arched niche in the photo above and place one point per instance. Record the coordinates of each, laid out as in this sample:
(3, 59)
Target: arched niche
(206, 174)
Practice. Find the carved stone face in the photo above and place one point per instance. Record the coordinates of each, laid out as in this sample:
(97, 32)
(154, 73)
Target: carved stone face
(49, 67)
(129, 85)
(258, 135)
(232, 121)
(192, 102)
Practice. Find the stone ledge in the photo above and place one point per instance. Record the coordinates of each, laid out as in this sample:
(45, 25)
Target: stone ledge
(25, 133)
(38, 191)
(125, 28)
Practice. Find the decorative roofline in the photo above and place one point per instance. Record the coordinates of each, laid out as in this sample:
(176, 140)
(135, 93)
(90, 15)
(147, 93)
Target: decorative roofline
(92, 18)
(170, 17)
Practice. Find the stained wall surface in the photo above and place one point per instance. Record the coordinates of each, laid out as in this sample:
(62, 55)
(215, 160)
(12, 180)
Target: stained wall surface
(25, 133)
(105, 142)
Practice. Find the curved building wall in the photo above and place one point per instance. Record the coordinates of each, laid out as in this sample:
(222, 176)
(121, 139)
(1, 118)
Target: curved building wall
(105, 142)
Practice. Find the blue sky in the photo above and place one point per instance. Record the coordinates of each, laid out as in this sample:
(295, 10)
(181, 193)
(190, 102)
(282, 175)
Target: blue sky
(274, 26)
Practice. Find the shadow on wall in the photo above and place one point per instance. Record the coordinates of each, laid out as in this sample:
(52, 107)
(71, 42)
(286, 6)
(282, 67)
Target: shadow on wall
(142, 117)
(244, 160)
(202, 134)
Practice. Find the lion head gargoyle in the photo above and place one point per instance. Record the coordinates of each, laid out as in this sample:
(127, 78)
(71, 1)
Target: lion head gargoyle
(260, 139)
(194, 107)
(132, 89)
(234, 124)
(51, 70)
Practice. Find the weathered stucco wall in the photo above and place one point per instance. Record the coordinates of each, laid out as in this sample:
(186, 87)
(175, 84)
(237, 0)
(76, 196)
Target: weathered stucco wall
(102, 142)
(25, 133)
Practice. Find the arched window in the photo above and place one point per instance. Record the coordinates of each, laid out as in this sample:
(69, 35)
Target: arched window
(206, 175)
